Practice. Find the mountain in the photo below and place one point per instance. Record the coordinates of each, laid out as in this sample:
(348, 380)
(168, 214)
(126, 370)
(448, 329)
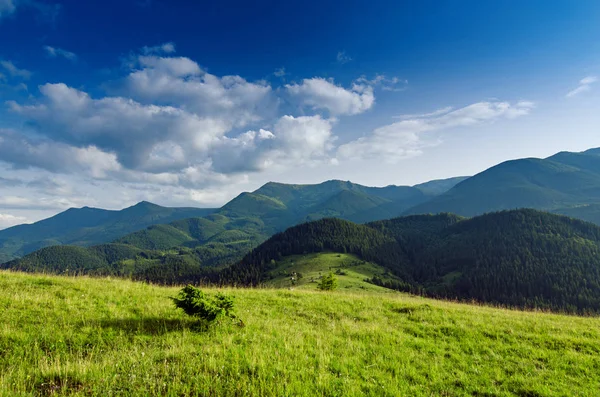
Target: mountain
(562, 181)
(224, 236)
(523, 258)
(87, 226)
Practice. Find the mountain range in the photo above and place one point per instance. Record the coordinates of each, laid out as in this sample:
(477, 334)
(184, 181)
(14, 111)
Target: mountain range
(202, 247)
(567, 183)
(87, 226)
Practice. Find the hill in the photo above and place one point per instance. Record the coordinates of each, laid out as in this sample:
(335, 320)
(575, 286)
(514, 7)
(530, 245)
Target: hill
(99, 337)
(305, 272)
(522, 258)
(224, 236)
(87, 226)
(564, 180)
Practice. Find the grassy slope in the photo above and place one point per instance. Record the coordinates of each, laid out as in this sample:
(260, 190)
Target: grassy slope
(313, 266)
(112, 337)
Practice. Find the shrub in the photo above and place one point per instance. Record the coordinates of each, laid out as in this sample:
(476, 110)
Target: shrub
(204, 307)
(328, 282)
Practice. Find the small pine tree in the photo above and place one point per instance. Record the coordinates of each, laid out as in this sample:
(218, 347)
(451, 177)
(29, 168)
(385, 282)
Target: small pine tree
(328, 282)
(206, 308)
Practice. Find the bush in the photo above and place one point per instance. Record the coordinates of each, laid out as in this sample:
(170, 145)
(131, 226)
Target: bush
(328, 282)
(204, 307)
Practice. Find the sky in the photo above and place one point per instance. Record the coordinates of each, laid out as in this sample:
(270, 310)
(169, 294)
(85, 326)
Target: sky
(188, 103)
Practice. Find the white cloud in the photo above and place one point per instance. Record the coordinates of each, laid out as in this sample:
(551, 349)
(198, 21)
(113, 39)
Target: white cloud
(394, 84)
(405, 138)
(319, 93)
(342, 57)
(585, 84)
(56, 52)
(8, 220)
(23, 152)
(293, 141)
(166, 48)
(15, 71)
(122, 126)
(181, 82)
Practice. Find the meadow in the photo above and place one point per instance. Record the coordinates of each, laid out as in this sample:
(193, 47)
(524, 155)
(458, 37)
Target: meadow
(112, 337)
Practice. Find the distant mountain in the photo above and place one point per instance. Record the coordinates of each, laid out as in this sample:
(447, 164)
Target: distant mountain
(253, 217)
(523, 258)
(224, 236)
(87, 226)
(562, 181)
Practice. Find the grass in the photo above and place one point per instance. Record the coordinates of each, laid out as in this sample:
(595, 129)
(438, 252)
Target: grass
(312, 267)
(83, 336)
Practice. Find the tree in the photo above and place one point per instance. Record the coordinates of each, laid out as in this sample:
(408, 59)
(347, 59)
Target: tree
(328, 282)
(206, 308)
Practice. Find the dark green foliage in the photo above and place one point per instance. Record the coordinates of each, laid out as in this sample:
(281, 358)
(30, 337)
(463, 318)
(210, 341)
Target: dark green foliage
(206, 308)
(523, 258)
(328, 282)
(323, 235)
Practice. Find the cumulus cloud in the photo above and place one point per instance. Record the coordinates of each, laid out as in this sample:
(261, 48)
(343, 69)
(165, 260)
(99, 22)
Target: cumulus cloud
(136, 133)
(585, 84)
(320, 93)
(293, 141)
(405, 138)
(21, 151)
(15, 71)
(181, 82)
(59, 52)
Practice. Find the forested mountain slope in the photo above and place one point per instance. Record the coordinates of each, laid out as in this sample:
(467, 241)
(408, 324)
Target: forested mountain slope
(180, 250)
(87, 226)
(520, 258)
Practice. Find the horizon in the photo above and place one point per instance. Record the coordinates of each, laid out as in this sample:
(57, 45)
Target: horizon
(277, 182)
(190, 105)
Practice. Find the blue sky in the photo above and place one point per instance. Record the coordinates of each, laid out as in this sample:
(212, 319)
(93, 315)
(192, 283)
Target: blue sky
(189, 103)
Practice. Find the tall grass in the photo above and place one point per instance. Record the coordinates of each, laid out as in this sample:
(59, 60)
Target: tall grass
(82, 336)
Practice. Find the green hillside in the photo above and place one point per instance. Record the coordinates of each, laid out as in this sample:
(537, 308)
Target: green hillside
(98, 337)
(522, 258)
(87, 226)
(305, 272)
(561, 181)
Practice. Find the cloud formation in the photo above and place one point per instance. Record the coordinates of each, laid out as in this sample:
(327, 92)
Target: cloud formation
(56, 52)
(171, 131)
(406, 138)
(319, 93)
(585, 84)
(8, 220)
(15, 71)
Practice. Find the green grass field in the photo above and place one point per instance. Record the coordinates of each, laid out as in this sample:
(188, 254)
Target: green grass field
(82, 336)
(312, 267)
